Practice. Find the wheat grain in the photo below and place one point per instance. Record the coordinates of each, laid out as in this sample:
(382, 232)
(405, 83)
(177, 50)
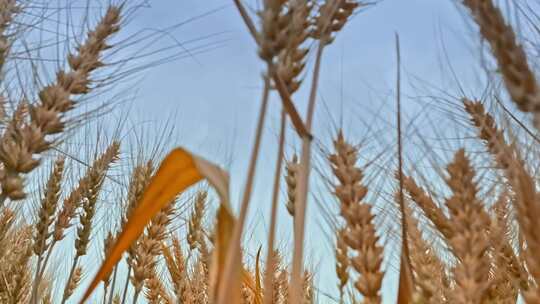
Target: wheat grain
(291, 168)
(342, 262)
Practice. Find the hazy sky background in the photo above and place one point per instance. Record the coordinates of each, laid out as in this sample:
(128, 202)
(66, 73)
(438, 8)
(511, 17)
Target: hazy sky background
(216, 95)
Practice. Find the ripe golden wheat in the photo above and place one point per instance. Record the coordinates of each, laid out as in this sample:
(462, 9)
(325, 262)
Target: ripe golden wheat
(471, 258)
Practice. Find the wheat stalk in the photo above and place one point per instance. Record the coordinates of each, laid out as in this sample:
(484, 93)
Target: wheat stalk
(342, 262)
(272, 255)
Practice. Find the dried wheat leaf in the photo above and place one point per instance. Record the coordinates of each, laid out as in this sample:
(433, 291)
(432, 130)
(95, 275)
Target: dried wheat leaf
(178, 171)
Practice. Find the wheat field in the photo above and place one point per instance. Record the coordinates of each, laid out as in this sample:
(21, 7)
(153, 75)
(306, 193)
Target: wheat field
(464, 229)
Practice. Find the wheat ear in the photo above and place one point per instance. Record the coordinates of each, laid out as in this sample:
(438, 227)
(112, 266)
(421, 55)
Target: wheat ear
(428, 206)
(139, 180)
(195, 233)
(428, 270)
(18, 274)
(176, 268)
(518, 77)
(8, 9)
(469, 243)
(291, 179)
(507, 158)
(47, 211)
(89, 196)
(360, 233)
(506, 270)
(22, 141)
(148, 248)
(342, 262)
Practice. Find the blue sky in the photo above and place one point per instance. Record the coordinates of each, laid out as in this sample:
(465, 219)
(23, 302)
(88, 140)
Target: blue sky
(216, 94)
